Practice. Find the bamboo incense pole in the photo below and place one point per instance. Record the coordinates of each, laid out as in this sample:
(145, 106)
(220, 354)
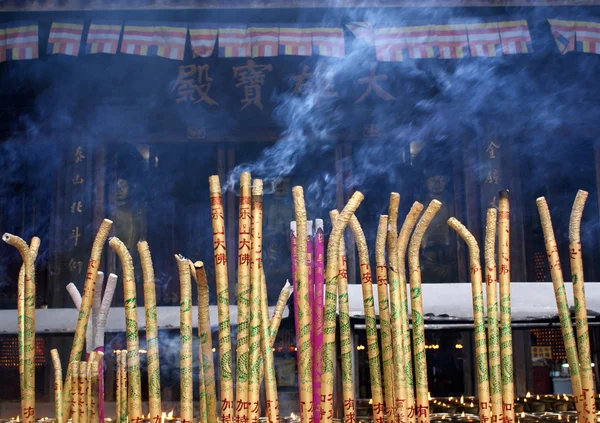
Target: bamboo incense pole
(83, 398)
(58, 386)
(220, 256)
(330, 313)
(205, 335)
(95, 365)
(418, 332)
(243, 290)
(303, 329)
(506, 350)
(267, 355)
(124, 387)
(119, 389)
(28, 318)
(185, 354)
(152, 356)
(588, 407)
(492, 316)
(400, 386)
(561, 297)
(400, 325)
(75, 393)
(348, 400)
(319, 292)
(387, 351)
(96, 303)
(134, 393)
(109, 292)
(282, 300)
(370, 319)
(86, 303)
(481, 357)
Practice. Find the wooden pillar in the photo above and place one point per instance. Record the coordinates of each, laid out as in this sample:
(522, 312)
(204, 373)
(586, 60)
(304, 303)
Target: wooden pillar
(231, 229)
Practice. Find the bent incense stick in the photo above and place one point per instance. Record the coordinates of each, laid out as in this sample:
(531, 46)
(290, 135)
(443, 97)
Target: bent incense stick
(583, 339)
(282, 300)
(561, 296)
(330, 314)
(414, 270)
(506, 351)
(481, 358)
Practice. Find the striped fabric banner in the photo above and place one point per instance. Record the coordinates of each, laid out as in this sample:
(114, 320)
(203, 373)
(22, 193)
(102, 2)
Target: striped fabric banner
(234, 41)
(564, 34)
(103, 37)
(22, 40)
(362, 31)
(420, 41)
(515, 37)
(328, 41)
(264, 39)
(65, 37)
(484, 39)
(295, 40)
(390, 44)
(138, 38)
(169, 39)
(2, 43)
(450, 41)
(203, 38)
(587, 36)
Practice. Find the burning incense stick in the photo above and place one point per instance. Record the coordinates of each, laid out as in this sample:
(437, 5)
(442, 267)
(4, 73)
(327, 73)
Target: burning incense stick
(58, 385)
(317, 367)
(83, 399)
(370, 319)
(483, 382)
(28, 318)
(243, 289)
(109, 292)
(561, 296)
(86, 302)
(201, 389)
(400, 326)
(284, 296)
(205, 335)
(96, 303)
(75, 392)
(269, 363)
(134, 396)
(400, 387)
(348, 400)
(414, 270)
(508, 396)
(75, 295)
(95, 365)
(330, 314)
(220, 255)
(152, 357)
(492, 313)
(185, 327)
(583, 340)
(387, 352)
(303, 330)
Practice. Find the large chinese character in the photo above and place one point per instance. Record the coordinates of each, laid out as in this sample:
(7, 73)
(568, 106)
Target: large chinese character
(78, 156)
(193, 84)
(491, 150)
(493, 177)
(252, 78)
(302, 83)
(372, 83)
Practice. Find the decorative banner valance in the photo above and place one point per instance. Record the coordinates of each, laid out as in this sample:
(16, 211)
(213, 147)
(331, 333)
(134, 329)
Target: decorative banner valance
(103, 37)
(583, 36)
(153, 39)
(20, 41)
(65, 37)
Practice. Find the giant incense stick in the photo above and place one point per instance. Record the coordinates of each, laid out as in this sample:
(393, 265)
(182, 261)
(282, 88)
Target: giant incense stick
(346, 352)
(134, 392)
(387, 352)
(330, 313)
(205, 335)
(370, 319)
(294, 259)
(317, 367)
(310, 264)
(58, 385)
(243, 289)
(583, 339)
(118, 386)
(82, 385)
(28, 318)
(152, 356)
(282, 300)
(400, 326)
(109, 292)
(303, 330)
(560, 295)
(94, 410)
(400, 387)
(201, 390)
(255, 288)
(96, 303)
(123, 391)
(267, 349)
(75, 394)
(481, 359)
(185, 352)
(492, 313)
(414, 270)
(86, 303)
(508, 396)
(220, 256)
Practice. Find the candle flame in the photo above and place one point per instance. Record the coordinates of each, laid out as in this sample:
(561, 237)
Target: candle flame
(429, 396)
(528, 395)
(144, 352)
(370, 401)
(462, 399)
(522, 414)
(170, 415)
(537, 397)
(163, 417)
(463, 414)
(471, 405)
(559, 418)
(293, 416)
